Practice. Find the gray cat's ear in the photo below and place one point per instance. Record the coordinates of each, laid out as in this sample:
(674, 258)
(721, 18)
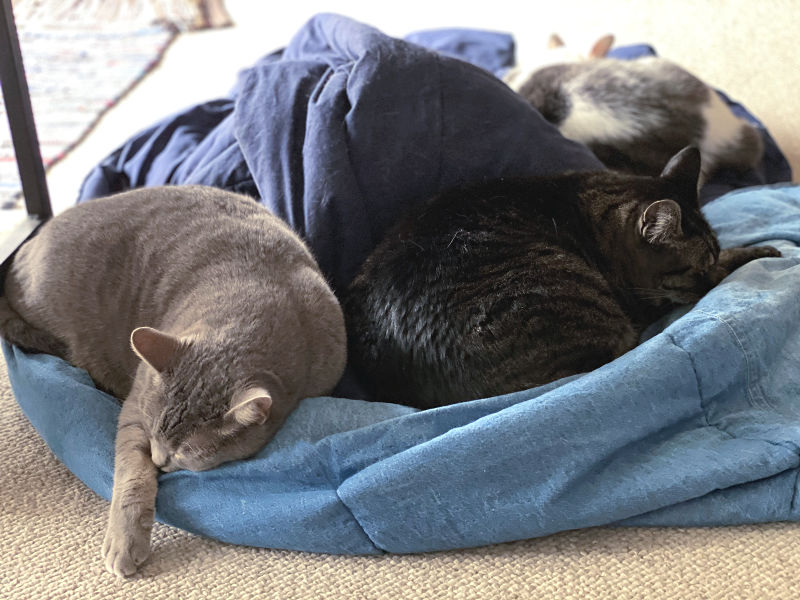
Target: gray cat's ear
(156, 348)
(660, 222)
(251, 406)
(683, 170)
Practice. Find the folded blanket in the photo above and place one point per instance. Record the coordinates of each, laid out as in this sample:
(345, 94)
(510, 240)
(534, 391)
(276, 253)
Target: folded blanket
(338, 133)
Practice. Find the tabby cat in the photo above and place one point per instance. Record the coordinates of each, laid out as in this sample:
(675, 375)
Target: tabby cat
(199, 308)
(510, 284)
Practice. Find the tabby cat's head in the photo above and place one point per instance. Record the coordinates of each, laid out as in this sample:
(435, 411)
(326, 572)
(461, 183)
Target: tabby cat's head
(671, 250)
(201, 411)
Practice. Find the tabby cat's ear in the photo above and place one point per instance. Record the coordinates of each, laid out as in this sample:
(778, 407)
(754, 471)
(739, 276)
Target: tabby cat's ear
(156, 348)
(251, 406)
(660, 222)
(683, 170)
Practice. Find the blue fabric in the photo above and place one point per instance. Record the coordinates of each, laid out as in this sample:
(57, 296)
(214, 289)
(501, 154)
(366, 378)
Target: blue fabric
(346, 128)
(698, 425)
(339, 134)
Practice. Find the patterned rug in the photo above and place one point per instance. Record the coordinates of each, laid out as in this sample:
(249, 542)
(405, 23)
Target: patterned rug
(74, 76)
(81, 57)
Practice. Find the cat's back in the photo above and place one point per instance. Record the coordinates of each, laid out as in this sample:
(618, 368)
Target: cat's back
(648, 79)
(162, 257)
(649, 76)
(153, 233)
(459, 295)
(610, 98)
(636, 114)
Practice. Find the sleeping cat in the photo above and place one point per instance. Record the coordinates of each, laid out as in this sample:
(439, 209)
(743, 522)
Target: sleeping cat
(199, 308)
(635, 114)
(510, 284)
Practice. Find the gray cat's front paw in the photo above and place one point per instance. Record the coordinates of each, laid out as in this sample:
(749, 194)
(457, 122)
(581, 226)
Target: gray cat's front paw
(124, 549)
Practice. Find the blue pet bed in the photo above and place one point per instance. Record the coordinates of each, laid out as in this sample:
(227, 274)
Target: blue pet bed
(339, 134)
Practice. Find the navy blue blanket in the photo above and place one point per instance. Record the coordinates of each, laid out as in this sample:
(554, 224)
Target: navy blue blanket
(339, 134)
(346, 128)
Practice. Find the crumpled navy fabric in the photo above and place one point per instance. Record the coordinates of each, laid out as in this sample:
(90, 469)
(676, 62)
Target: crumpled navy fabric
(699, 425)
(343, 131)
(346, 128)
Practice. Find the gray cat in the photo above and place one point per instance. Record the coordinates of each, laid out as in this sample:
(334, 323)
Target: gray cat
(635, 114)
(505, 285)
(199, 308)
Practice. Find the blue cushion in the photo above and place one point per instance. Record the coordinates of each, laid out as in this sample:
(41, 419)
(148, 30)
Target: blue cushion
(699, 425)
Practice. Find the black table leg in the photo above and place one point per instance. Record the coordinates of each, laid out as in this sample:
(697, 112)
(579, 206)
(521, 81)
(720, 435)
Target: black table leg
(23, 134)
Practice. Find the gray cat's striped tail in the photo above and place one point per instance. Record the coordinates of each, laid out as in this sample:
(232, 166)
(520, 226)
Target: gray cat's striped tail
(15, 330)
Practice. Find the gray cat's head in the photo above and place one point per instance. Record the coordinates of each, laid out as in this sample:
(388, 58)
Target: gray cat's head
(200, 407)
(670, 250)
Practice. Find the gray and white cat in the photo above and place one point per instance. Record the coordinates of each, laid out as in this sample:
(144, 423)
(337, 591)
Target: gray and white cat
(207, 314)
(635, 114)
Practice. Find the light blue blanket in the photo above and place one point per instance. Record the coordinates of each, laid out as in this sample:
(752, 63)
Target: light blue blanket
(699, 425)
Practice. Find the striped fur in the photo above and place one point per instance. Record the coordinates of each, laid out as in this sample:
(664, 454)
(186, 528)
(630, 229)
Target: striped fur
(510, 284)
(635, 114)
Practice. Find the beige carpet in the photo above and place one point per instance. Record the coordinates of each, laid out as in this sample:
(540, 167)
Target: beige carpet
(51, 527)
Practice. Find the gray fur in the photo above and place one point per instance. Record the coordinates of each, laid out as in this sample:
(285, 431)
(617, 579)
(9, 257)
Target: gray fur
(636, 114)
(245, 327)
